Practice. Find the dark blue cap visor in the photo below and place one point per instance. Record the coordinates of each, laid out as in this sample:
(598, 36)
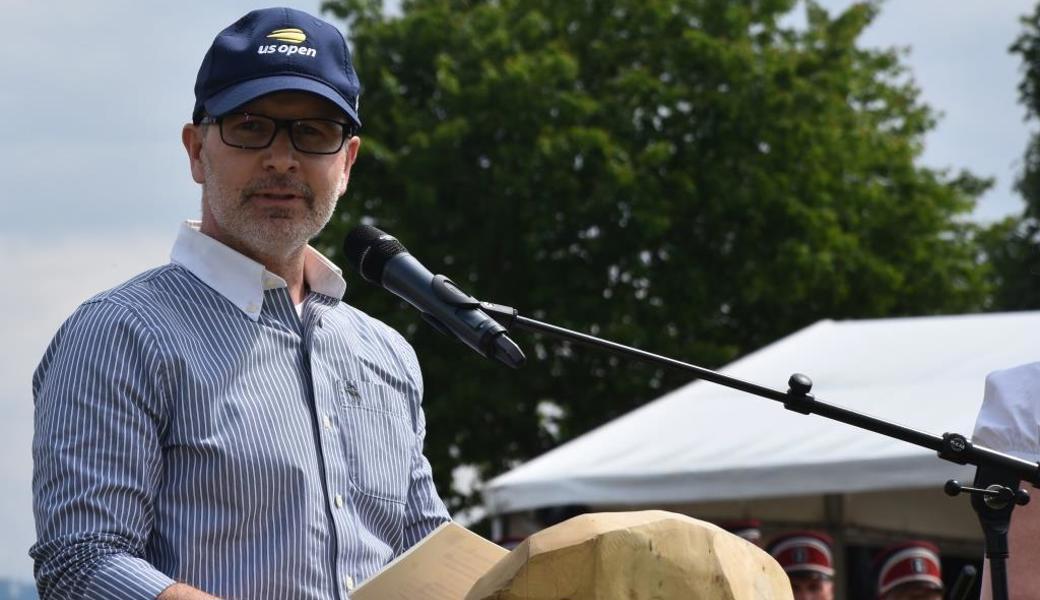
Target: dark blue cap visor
(236, 95)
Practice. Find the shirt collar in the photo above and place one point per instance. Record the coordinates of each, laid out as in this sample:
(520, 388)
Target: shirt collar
(241, 279)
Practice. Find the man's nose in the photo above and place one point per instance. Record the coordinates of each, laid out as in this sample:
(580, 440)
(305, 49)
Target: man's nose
(281, 156)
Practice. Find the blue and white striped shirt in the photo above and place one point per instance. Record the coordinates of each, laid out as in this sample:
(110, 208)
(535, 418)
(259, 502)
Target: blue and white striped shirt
(192, 427)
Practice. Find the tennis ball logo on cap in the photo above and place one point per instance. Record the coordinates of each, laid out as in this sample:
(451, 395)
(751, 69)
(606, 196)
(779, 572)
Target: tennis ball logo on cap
(293, 36)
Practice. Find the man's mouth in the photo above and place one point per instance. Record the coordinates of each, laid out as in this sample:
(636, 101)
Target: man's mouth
(275, 195)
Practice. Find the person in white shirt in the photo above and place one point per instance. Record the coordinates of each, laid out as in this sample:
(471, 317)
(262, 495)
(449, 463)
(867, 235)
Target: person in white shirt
(1009, 422)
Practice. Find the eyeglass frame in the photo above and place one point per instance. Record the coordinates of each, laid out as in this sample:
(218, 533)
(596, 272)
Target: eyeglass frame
(349, 130)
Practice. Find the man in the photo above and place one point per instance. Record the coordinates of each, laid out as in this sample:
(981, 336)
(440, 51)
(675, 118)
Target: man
(807, 559)
(910, 571)
(224, 426)
(1009, 421)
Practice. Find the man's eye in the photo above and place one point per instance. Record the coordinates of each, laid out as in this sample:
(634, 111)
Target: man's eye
(249, 126)
(318, 129)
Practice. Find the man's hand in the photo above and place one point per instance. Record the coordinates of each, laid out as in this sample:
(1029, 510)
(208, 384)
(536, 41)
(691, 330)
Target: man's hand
(180, 591)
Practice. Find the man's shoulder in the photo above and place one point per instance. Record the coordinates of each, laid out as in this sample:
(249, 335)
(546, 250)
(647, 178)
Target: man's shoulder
(148, 299)
(118, 312)
(140, 290)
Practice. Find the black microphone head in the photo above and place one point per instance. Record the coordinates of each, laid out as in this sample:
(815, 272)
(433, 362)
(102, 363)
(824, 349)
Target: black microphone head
(368, 249)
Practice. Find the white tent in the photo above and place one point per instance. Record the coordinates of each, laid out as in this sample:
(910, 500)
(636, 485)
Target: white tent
(717, 453)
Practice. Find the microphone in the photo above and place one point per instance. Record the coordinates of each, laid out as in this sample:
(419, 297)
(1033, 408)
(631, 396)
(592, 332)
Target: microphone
(384, 261)
(962, 586)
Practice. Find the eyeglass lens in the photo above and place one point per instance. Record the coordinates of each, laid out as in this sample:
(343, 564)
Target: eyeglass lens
(319, 136)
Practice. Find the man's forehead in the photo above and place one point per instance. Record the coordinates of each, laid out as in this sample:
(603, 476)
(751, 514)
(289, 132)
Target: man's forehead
(807, 582)
(293, 103)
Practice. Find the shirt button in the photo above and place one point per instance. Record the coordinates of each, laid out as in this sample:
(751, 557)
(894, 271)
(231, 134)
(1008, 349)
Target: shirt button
(252, 308)
(349, 583)
(339, 501)
(326, 422)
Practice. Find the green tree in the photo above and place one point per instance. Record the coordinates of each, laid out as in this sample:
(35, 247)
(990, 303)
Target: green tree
(1012, 246)
(692, 177)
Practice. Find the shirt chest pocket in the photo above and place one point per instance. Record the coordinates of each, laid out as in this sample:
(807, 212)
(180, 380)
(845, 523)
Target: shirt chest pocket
(378, 437)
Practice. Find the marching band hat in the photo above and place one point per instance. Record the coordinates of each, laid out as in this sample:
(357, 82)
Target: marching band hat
(804, 553)
(915, 561)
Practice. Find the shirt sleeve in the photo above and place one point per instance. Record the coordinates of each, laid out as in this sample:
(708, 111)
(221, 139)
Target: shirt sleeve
(1007, 421)
(96, 457)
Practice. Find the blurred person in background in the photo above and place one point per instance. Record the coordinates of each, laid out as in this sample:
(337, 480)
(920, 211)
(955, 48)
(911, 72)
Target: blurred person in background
(808, 560)
(1009, 421)
(910, 571)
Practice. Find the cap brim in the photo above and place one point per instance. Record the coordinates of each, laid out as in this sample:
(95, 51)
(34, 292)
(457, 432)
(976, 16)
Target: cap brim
(236, 95)
(810, 571)
(910, 581)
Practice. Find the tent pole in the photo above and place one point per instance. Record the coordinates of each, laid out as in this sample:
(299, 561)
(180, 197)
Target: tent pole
(834, 520)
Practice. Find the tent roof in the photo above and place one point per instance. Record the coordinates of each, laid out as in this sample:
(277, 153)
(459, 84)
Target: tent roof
(705, 442)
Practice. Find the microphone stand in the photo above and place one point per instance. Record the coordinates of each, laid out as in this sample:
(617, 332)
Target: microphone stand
(995, 492)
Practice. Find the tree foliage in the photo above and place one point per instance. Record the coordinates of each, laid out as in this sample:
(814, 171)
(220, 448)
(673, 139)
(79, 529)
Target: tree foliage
(693, 177)
(1012, 246)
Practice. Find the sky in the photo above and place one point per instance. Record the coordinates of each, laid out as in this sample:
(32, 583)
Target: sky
(96, 181)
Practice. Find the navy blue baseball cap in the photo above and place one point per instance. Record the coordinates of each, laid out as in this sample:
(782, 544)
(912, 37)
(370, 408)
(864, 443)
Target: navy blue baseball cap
(274, 50)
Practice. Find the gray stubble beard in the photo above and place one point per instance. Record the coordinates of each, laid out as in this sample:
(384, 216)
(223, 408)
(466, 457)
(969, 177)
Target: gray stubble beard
(276, 233)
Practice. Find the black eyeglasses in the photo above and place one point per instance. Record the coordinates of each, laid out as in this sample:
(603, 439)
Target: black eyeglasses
(253, 132)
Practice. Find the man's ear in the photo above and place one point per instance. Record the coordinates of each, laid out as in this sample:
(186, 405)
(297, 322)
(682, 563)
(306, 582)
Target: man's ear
(191, 136)
(353, 145)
